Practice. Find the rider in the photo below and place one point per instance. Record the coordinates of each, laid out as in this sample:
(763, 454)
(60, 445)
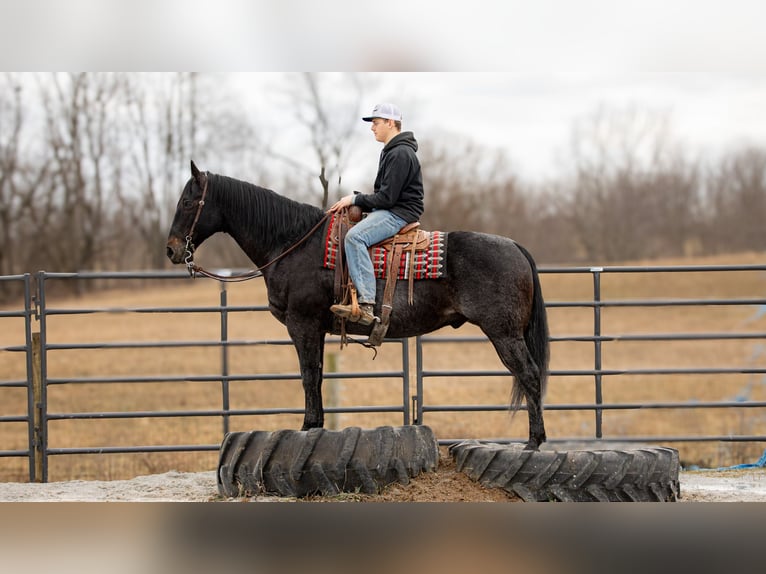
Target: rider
(397, 200)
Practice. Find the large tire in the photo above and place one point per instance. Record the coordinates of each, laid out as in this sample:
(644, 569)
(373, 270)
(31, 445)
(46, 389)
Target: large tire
(318, 461)
(639, 475)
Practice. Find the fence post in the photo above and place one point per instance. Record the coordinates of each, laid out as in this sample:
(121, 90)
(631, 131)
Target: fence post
(597, 346)
(37, 411)
(406, 380)
(29, 313)
(225, 358)
(417, 398)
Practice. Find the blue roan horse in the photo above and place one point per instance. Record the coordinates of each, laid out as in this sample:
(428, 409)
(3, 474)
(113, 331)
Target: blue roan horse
(490, 281)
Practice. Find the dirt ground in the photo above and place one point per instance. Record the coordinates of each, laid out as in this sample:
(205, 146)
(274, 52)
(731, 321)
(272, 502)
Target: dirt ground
(443, 485)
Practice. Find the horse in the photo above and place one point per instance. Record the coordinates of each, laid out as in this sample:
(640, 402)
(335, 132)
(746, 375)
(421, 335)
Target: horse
(490, 281)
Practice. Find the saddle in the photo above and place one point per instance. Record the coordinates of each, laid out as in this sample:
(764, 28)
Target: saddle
(409, 239)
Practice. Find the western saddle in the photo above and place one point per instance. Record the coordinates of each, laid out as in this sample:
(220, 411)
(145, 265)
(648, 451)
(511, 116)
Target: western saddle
(409, 238)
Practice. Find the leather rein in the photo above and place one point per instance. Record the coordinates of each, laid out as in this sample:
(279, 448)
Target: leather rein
(195, 269)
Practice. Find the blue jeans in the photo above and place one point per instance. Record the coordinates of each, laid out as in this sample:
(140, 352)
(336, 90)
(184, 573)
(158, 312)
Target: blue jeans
(377, 226)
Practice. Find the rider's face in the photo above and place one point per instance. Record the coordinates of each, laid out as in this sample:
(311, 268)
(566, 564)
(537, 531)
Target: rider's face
(384, 130)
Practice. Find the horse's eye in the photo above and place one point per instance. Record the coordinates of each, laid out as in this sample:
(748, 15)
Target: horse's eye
(188, 204)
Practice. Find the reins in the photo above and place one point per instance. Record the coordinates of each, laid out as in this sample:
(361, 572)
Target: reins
(195, 270)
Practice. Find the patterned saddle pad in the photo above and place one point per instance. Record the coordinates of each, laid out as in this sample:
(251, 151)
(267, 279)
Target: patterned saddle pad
(430, 263)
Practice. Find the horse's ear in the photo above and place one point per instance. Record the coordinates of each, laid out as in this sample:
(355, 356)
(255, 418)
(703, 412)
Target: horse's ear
(194, 170)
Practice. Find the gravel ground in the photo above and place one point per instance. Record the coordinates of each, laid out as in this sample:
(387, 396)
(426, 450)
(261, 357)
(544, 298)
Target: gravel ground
(744, 485)
(747, 485)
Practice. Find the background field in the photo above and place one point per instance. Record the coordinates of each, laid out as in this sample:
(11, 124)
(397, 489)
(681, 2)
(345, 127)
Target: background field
(194, 361)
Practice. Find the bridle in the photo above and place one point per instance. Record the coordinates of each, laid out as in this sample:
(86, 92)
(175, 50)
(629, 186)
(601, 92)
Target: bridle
(195, 269)
(189, 247)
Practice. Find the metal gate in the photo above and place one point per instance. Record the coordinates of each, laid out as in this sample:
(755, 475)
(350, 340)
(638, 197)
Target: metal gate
(416, 405)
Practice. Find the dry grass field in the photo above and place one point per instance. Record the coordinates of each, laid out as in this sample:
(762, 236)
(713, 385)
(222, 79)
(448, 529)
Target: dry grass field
(116, 326)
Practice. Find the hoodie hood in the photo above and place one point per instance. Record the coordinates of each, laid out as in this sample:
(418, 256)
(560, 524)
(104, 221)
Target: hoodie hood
(402, 138)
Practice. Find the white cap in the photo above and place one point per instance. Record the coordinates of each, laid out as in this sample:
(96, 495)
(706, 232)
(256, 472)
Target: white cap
(386, 112)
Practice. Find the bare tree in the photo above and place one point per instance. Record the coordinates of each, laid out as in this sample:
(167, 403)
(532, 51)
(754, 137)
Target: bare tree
(21, 180)
(672, 190)
(83, 141)
(172, 119)
(548, 232)
(328, 107)
(161, 141)
(471, 187)
(737, 202)
(11, 199)
(632, 191)
(91, 165)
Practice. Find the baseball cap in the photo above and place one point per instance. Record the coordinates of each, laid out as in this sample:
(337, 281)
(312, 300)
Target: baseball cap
(386, 112)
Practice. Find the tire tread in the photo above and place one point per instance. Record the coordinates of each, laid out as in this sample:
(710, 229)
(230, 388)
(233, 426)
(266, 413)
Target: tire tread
(641, 475)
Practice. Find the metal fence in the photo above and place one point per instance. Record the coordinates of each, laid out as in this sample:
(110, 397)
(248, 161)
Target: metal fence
(598, 338)
(415, 407)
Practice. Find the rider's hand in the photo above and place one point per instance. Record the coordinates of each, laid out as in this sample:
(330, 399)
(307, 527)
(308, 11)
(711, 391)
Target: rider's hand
(346, 201)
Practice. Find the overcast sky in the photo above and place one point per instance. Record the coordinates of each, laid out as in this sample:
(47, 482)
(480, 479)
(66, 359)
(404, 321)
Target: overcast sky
(703, 62)
(532, 115)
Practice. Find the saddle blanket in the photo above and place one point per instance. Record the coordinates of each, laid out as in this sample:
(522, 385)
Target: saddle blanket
(429, 263)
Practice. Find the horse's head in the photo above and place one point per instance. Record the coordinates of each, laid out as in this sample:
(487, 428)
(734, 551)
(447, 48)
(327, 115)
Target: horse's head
(193, 222)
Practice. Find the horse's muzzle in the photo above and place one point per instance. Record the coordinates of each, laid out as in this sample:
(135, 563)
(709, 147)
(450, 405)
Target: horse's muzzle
(175, 250)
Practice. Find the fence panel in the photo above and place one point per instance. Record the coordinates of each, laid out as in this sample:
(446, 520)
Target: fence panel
(636, 338)
(638, 355)
(98, 358)
(16, 386)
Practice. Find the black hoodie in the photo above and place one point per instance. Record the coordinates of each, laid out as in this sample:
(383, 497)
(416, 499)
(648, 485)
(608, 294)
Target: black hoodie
(399, 183)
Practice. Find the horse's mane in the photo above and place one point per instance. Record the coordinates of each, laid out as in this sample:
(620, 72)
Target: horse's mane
(264, 211)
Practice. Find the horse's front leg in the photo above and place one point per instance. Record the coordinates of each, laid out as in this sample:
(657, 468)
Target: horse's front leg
(309, 342)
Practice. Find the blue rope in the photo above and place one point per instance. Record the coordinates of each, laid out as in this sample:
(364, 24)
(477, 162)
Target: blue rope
(759, 464)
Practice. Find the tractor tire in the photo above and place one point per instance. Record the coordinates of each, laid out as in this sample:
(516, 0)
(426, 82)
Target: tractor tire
(318, 461)
(640, 475)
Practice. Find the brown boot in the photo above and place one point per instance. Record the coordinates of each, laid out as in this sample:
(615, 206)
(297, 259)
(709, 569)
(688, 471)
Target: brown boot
(366, 314)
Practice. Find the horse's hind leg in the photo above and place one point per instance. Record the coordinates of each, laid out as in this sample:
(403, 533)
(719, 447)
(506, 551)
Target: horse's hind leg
(515, 355)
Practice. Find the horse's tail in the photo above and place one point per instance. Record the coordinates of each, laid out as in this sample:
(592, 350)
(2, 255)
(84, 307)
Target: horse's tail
(535, 335)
